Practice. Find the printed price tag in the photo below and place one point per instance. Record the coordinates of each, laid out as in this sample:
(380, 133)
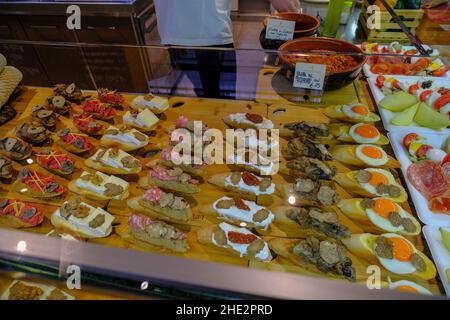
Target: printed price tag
(309, 75)
(278, 29)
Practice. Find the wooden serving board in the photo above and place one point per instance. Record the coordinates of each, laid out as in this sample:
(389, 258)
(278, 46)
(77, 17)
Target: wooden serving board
(211, 112)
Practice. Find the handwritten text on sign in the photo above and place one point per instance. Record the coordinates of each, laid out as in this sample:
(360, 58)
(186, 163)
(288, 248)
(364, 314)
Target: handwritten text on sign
(309, 75)
(278, 29)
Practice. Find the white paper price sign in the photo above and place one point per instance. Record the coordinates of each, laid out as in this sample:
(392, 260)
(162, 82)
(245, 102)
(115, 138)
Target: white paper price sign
(309, 75)
(278, 29)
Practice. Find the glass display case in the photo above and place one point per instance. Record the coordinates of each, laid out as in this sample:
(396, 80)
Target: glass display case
(342, 216)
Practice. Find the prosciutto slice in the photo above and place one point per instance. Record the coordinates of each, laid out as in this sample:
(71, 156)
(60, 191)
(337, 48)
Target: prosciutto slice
(446, 169)
(440, 204)
(428, 178)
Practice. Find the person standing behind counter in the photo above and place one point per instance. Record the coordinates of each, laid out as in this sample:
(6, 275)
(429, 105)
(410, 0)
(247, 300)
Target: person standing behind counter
(205, 23)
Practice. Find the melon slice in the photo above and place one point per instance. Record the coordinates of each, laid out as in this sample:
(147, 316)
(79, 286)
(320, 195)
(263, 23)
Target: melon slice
(430, 118)
(405, 117)
(398, 101)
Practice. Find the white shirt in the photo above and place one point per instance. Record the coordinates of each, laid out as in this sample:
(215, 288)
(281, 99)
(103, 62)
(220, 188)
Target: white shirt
(194, 22)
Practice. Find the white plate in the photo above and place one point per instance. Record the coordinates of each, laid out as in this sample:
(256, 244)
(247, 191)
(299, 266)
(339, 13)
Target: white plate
(387, 116)
(440, 254)
(420, 203)
(369, 73)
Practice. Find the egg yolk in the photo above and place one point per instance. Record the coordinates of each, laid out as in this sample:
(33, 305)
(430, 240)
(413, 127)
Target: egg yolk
(361, 110)
(372, 152)
(383, 207)
(377, 179)
(401, 249)
(366, 131)
(406, 289)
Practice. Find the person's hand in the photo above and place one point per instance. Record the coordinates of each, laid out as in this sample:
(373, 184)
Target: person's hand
(286, 5)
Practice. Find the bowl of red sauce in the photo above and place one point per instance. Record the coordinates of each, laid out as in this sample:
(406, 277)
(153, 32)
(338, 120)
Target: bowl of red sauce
(343, 60)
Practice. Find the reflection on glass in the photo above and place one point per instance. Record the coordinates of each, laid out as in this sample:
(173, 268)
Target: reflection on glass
(291, 199)
(21, 246)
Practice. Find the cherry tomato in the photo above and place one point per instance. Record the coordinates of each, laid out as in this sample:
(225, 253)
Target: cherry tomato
(400, 68)
(410, 137)
(443, 90)
(422, 151)
(411, 52)
(380, 81)
(396, 84)
(375, 48)
(420, 65)
(441, 101)
(446, 159)
(440, 72)
(413, 88)
(381, 68)
(364, 45)
(424, 95)
(385, 50)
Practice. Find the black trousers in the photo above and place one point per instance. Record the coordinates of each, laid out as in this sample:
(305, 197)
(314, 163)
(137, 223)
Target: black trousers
(212, 71)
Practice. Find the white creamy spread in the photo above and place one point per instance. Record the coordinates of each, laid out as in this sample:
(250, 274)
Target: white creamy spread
(126, 137)
(240, 118)
(264, 254)
(144, 118)
(47, 290)
(265, 145)
(109, 161)
(156, 102)
(83, 224)
(265, 166)
(235, 213)
(253, 189)
(100, 189)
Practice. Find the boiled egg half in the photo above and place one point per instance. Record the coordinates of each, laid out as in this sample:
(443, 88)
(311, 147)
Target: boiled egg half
(402, 250)
(364, 133)
(379, 214)
(378, 176)
(371, 155)
(355, 111)
(409, 286)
